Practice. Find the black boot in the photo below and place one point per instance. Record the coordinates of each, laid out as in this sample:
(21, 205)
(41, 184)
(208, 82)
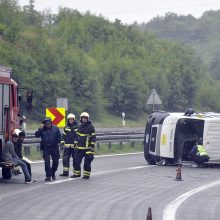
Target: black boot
(75, 176)
(47, 178)
(53, 176)
(64, 174)
(86, 177)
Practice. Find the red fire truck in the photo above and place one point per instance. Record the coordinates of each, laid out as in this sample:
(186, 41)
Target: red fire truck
(9, 113)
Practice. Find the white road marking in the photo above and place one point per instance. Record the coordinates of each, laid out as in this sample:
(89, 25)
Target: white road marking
(97, 156)
(170, 210)
(101, 173)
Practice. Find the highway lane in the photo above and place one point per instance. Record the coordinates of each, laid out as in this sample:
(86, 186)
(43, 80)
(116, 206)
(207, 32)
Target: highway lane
(121, 187)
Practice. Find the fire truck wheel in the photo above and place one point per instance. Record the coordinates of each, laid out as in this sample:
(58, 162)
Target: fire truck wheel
(6, 173)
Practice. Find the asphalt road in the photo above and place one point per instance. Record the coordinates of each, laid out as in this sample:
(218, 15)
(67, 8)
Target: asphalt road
(121, 188)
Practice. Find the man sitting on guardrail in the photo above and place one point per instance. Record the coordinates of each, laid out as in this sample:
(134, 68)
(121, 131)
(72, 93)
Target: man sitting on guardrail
(18, 150)
(9, 156)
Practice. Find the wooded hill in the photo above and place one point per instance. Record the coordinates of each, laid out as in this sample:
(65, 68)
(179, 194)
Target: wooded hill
(202, 34)
(99, 65)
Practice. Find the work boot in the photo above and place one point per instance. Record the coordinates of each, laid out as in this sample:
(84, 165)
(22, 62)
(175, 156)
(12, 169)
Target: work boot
(86, 177)
(64, 174)
(53, 176)
(75, 176)
(47, 179)
(30, 181)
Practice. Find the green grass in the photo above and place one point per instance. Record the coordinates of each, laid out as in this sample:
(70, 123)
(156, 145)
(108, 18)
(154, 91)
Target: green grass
(103, 149)
(105, 120)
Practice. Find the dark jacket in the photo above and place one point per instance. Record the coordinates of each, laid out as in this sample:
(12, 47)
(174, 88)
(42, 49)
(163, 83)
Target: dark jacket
(18, 148)
(86, 136)
(69, 134)
(50, 137)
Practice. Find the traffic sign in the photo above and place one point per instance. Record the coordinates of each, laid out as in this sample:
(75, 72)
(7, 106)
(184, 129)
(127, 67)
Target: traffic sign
(154, 98)
(57, 116)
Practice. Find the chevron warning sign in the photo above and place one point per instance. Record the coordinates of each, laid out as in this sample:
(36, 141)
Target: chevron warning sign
(57, 116)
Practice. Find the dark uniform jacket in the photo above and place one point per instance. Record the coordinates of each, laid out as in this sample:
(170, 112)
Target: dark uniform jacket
(69, 135)
(86, 136)
(50, 137)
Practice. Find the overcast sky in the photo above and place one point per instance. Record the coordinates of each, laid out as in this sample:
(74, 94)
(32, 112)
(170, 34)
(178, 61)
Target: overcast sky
(129, 11)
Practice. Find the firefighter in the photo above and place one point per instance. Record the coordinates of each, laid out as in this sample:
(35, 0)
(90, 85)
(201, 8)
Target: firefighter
(198, 154)
(69, 142)
(50, 140)
(86, 139)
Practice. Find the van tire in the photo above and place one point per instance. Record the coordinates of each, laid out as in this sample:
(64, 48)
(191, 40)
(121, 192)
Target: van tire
(6, 173)
(151, 159)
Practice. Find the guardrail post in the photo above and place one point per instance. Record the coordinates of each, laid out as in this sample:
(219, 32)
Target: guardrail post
(132, 144)
(27, 151)
(38, 148)
(98, 146)
(121, 145)
(109, 145)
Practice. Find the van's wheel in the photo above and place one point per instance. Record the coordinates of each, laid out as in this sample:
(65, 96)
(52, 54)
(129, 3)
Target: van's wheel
(151, 159)
(6, 173)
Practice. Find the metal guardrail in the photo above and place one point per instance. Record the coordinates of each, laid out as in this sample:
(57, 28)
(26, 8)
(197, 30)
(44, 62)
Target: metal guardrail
(116, 135)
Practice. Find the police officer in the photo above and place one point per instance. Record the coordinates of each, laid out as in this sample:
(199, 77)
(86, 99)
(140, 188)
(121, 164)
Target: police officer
(198, 154)
(50, 140)
(86, 139)
(69, 142)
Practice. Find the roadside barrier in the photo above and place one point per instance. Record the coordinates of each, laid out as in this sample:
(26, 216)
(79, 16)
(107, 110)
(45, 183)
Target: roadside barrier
(103, 136)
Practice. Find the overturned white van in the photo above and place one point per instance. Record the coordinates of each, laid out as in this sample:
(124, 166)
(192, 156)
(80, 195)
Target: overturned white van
(170, 136)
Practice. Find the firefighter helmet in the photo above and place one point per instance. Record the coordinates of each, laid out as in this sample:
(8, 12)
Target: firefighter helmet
(84, 114)
(71, 116)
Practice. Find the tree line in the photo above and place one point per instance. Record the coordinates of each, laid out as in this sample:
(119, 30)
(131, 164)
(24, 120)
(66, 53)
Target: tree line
(100, 66)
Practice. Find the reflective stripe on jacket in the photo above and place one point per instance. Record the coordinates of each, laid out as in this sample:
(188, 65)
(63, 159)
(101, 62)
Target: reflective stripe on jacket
(86, 136)
(69, 135)
(201, 151)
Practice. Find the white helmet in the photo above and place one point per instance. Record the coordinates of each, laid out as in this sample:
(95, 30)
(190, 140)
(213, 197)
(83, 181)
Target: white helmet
(16, 132)
(84, 114)
(71, 115)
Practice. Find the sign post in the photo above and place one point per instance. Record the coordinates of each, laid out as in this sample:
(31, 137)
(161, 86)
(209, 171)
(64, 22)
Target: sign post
(154, 99)
(62, 103)
(123, 119)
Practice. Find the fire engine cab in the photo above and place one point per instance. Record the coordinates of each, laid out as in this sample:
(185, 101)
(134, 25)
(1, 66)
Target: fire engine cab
(170, 136)
(9, 113)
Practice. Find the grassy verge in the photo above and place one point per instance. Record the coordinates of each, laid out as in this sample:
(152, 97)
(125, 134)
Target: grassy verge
(106, 120)
(103, 149)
